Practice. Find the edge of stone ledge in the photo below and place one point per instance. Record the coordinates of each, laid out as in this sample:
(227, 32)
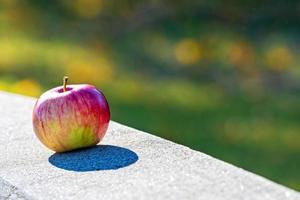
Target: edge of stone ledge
(17, 95)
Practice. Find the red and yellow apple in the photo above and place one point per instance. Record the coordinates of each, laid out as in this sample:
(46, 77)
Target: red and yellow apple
(71, 117)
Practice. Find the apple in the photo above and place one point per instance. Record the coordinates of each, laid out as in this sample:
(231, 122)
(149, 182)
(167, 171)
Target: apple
(69, 117)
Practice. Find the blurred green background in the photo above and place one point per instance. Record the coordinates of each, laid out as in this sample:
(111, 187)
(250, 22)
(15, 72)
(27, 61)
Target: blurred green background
(222, 77)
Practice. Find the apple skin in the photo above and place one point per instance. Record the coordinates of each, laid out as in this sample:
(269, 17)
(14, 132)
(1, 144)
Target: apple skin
(76, 118)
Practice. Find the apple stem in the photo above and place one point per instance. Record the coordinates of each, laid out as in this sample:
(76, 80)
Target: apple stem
(65, 83)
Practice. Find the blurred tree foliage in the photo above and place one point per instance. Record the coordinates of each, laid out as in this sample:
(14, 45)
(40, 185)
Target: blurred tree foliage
(218, 76)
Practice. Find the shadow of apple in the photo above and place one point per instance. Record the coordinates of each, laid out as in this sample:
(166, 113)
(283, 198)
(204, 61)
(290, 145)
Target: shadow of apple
(100, 157)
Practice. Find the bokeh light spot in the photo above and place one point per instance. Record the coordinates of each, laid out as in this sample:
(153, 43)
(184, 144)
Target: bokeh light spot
(27, 87)
(188, 51)
(279, 58)
(89, 71)
(241, 54)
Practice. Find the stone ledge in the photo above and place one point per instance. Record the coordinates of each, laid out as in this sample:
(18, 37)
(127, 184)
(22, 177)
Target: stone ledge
(129, 164)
